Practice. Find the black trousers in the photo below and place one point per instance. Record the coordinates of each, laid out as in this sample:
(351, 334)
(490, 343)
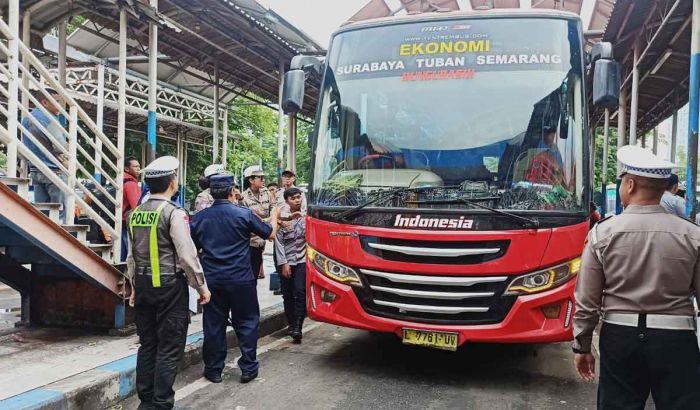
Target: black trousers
(635, 361)
(242, 302)
(294, 293)
(256, 260)
(162, 317)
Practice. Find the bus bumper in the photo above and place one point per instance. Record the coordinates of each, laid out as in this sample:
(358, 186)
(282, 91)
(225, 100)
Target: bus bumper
(332, 302)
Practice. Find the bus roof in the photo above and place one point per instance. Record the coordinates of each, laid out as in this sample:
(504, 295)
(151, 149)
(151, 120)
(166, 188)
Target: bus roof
(445, 15)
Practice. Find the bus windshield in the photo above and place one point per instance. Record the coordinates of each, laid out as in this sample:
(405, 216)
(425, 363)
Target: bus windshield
(482, 109)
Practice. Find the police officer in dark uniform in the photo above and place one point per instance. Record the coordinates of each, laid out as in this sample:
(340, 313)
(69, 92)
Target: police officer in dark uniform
(160, 262)
(639, 269)
(222, 233)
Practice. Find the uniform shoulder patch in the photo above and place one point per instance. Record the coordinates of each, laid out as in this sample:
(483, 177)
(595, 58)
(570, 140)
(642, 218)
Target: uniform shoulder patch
(607, 218)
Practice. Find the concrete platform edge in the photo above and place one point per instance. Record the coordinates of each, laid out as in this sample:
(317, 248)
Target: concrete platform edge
(110, 383)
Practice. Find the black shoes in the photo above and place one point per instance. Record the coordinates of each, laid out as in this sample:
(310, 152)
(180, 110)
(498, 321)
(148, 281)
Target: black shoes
(245, 378)
(213, 378)
(295, 330)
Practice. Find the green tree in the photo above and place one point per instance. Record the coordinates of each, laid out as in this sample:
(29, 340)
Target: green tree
(612, 158)
(682, 161)
(304, 134)
(255, 139)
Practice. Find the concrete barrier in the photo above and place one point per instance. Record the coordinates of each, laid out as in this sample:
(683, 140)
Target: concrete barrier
(110, 383)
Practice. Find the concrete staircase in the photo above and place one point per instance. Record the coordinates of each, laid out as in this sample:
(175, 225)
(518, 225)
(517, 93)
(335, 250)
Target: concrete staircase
(64, 280)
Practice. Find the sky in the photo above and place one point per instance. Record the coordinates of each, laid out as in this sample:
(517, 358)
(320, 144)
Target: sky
(317, 18)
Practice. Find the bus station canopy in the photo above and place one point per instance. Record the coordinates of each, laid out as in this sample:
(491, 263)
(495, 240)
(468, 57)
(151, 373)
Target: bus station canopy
(661, 30)
(249, 43)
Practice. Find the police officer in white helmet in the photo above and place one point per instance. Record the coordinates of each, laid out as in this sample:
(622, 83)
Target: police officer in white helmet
(257, 198)
(162, 259)
(204, 198)
(640, 269)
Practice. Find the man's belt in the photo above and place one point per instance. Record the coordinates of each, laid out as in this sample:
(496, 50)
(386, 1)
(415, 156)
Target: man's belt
(667, 322)
(146, 270)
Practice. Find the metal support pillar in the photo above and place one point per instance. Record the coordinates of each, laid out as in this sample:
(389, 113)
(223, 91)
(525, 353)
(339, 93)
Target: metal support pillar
(72, 163)
(224, 142)
(292, 143)
(184, 162)
(655, 141)
(62, 52)
(604, 176)
(183, 166)
(635, 96)
(26, 39)
(99, 121)
(178, 151)
(215, 126)
(121, 129)
(621, 141)
(180, 157)
(674, 135)
(144, 157)
(12, 88)
(280, 128)
(693, 112)
(152, 85)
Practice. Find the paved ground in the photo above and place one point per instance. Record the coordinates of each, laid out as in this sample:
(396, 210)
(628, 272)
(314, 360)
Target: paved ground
(351, 369)
(31, 358)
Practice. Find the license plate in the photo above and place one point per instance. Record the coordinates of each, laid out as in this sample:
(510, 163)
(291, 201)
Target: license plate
(437, 340)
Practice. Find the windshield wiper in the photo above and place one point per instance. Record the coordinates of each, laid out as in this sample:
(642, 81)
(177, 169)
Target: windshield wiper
(388, 195)
(526, 222)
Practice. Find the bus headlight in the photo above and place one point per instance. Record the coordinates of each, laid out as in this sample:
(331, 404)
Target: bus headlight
(545, 279)
(334, 270)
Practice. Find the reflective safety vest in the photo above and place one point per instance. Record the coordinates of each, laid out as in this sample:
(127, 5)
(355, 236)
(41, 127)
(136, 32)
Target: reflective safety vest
(145, 219)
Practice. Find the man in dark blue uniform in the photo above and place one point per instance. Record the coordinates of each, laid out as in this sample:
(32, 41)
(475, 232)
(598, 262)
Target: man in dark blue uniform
(222, 234)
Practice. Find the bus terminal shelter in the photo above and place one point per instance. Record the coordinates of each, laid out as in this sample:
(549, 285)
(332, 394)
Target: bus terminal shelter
(186, 64)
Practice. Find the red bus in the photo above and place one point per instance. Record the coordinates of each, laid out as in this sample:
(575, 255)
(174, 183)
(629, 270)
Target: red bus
(451, 175)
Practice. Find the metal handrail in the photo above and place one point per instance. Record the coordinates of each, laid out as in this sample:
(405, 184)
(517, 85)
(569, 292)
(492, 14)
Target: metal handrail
(65, 170)
(25, 152)
(25, 52)
(35, 122)
(75, 115)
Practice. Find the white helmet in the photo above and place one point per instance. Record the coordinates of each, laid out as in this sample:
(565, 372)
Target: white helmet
(213, 169)
(253, 170)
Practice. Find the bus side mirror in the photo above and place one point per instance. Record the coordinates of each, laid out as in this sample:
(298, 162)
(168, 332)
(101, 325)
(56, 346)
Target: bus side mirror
(293, 91)
(601, 51)
(606, 84)
(293, 87)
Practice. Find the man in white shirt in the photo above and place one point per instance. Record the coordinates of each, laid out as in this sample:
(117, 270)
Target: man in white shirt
(672, 203)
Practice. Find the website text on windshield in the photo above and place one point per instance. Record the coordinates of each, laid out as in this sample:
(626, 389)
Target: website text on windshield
(450, 180)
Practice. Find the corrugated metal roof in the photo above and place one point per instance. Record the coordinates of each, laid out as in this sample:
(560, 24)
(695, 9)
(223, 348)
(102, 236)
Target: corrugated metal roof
(249, 40)
(664, 66)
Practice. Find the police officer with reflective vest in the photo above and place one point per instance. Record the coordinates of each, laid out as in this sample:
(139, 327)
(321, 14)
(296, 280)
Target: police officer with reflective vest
(222, 233)
(162, 260)
(639, 269)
